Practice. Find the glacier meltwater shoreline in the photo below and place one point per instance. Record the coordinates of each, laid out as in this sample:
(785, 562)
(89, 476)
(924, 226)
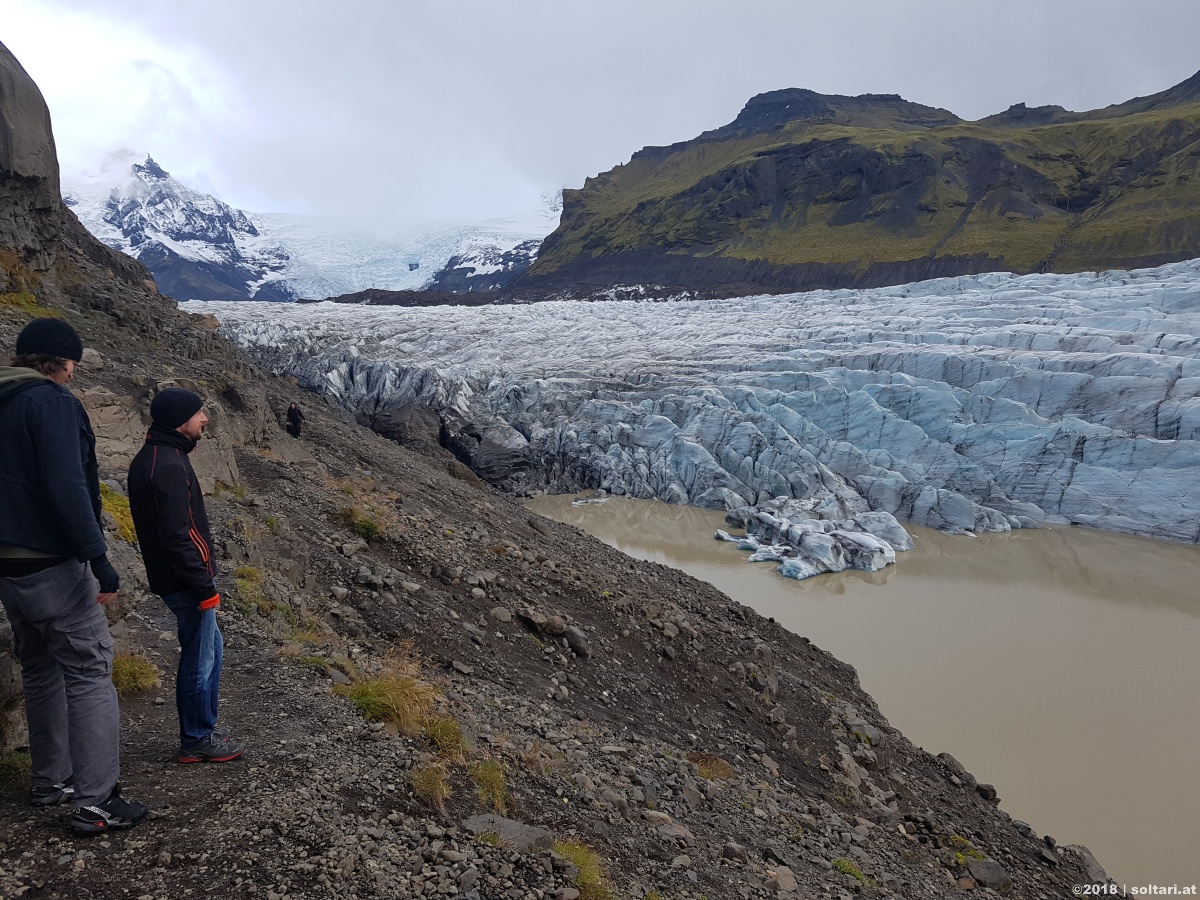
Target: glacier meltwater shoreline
(969, 404)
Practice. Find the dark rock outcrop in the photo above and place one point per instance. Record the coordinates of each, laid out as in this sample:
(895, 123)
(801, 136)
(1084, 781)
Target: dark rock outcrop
(486, 268)
(44, 251)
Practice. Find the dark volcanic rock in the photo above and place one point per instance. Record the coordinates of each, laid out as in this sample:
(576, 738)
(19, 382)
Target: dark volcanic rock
(485, 268)
(26, 141)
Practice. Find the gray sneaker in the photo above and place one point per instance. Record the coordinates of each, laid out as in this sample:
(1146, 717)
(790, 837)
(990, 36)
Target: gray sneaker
(114, 813)
(52, 794)
(214, 748)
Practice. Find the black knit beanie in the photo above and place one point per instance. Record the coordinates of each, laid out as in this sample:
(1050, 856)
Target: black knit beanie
(172, 407)
(53, 337)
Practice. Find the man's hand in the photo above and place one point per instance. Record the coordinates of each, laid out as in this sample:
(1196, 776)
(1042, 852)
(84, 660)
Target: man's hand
(106, 598)
(106, 575)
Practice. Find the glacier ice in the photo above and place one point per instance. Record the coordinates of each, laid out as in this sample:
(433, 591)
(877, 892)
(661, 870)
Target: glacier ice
(970, 404)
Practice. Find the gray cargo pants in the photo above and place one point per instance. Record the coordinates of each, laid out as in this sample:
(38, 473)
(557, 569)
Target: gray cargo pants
(66, 654)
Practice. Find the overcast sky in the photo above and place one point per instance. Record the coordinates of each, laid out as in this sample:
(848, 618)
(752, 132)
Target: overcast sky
(464, 109)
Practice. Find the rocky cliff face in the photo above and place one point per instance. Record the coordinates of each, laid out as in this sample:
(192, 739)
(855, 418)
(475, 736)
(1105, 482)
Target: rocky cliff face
(45, 254)
(810, 191)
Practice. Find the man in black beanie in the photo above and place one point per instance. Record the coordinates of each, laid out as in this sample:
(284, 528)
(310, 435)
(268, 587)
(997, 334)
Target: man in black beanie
(172, 528)
(54, 573)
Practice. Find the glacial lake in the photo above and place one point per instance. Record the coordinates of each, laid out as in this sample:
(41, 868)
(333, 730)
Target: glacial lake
(1061, 664)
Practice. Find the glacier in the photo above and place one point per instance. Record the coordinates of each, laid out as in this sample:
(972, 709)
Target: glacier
(970, 404)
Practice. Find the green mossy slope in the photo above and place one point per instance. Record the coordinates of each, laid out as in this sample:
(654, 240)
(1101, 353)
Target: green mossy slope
(810, 190)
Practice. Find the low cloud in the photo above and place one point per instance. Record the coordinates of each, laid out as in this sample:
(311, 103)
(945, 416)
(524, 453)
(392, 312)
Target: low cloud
(466, 110)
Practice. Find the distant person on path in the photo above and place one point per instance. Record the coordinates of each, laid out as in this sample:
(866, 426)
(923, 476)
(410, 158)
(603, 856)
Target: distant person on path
(54, 576)
(172, 529)
(294, 418)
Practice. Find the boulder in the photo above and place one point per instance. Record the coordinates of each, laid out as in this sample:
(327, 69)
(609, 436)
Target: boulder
(513, 834)
(990, 874)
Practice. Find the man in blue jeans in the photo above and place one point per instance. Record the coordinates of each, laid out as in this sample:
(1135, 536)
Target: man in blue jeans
(177, 549)
(54, 574)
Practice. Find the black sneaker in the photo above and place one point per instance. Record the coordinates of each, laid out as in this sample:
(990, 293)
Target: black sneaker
(52, 794)
(114, 813)
(214, 748)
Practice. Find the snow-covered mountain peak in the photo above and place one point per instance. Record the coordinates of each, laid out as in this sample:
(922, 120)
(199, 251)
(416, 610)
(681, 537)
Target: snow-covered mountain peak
(200, 248)
(197, 246)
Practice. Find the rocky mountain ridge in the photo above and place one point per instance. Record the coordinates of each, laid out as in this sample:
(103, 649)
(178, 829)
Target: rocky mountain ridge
(622, 730)
(804, 190)
(195, 245)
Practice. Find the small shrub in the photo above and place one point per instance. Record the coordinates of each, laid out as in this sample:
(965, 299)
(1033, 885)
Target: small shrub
(431, 786)
(133, 674)
(711, 766)
(491, 838)
(251, 574)
(590, 882)
(15, 775)
(117, 506)
(220, 487)
(490, 784)
(846, 867)
(445, 736)
(401, 700)
(249, 580)
(360, 523)
(963, 849)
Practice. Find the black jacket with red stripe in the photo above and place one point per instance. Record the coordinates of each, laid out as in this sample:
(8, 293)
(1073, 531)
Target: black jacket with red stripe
(168, 513)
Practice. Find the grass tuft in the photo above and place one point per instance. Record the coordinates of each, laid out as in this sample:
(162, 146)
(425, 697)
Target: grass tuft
(431, 786)
(590, 882)
(249, 587)
(711, 766)
(846, 867)
(117, 506)
(399, 699)
(360, 523)
(133, 674)
(445, 736)
(491, 786)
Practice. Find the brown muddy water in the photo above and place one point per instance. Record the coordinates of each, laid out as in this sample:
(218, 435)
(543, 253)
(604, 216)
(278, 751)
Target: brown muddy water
(1061, 665)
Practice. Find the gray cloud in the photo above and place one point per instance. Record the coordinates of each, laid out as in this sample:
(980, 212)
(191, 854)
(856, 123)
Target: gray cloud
(465, 109)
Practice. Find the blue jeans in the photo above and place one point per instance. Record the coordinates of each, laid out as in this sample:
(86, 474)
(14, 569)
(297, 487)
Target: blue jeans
(198, 682)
